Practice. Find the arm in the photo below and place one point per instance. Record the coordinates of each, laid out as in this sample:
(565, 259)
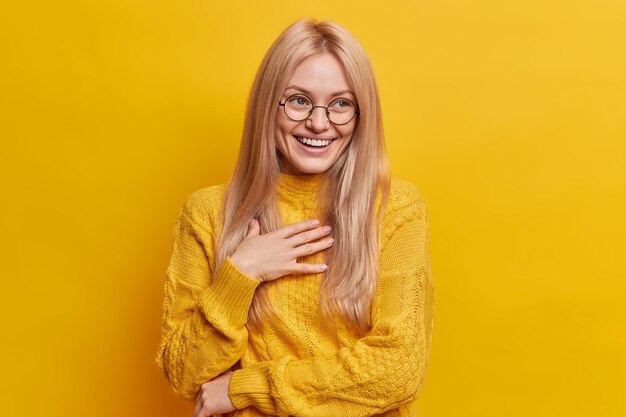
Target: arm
(204, 313)
(380, 371)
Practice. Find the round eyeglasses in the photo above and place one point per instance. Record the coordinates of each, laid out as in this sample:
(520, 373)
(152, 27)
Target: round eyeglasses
(299, 107)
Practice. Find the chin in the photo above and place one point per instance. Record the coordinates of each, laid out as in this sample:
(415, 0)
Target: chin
(311, 169)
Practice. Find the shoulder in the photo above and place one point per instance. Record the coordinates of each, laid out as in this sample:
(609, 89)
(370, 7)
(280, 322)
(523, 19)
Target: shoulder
(405, 204)
(204, 205)
(206, 198)
(403, 197)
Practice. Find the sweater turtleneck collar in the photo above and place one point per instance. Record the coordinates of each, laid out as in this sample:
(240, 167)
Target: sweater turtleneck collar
(299, 189)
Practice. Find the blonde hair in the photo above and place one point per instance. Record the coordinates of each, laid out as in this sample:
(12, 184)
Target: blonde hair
(346, 199)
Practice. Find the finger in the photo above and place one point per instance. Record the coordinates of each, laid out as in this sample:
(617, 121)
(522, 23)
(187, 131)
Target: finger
(311, 248)
(309, 236)
(302, 268)
(254, 228)
(202, 412)
(295, 228)
(198, 403)
(196, 409)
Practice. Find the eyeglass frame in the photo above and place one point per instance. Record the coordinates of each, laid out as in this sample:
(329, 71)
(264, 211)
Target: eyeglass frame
(356, 109)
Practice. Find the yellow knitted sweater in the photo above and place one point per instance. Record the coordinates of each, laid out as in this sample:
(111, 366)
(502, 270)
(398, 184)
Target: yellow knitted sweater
(300, 363)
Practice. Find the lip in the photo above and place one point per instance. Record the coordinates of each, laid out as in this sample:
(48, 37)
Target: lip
(330, 138)
(310, 150)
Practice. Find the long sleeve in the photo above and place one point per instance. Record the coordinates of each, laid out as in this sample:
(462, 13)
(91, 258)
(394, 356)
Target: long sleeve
(383, 369)
(204, 313)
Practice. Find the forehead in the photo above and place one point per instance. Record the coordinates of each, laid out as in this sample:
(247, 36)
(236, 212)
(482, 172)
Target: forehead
(321, 74)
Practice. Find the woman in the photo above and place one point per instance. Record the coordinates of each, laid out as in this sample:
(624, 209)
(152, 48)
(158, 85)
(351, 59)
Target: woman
(304, 287)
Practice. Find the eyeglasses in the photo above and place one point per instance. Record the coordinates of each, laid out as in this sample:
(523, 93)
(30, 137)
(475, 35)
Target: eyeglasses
(299, 107)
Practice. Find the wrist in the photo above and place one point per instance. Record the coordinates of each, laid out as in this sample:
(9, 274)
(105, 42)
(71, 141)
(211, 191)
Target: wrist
(244, 267)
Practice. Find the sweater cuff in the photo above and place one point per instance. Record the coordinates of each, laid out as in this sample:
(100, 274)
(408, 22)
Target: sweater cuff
(229, 295)
(251, 387)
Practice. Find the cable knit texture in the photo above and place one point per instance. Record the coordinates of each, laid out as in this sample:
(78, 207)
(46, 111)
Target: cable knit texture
(300, 363)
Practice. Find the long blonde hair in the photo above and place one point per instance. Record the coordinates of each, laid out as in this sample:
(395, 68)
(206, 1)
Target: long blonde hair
(347, 199)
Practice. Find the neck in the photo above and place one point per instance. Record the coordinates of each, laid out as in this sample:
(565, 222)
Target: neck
(296, 188)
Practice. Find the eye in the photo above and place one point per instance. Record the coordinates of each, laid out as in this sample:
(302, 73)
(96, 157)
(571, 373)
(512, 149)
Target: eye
(341, 104)
(299, 101)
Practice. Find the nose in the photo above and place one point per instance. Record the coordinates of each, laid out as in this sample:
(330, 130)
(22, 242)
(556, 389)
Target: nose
(318, 120)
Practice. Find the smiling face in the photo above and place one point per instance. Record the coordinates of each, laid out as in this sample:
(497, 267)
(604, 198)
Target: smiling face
(312, 146)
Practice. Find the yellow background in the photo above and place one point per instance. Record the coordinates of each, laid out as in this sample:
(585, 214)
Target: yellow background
(508, 115)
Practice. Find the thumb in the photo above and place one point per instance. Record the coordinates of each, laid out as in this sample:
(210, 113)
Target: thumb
(254, 228)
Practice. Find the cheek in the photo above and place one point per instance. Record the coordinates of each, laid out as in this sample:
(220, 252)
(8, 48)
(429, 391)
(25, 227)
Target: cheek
(347, 132)
(283, 128)
(344, 146)
(279, 142)
(279, 133)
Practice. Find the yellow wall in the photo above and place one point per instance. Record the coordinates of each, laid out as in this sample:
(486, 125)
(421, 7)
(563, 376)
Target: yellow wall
(509, 115)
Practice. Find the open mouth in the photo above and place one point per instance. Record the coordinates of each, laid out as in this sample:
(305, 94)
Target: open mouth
(313, 143)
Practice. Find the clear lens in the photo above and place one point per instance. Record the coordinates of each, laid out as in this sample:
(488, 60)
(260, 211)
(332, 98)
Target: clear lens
(298, 107)
(340, 111)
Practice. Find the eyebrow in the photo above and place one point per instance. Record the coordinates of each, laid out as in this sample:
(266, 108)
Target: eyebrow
(307, 92)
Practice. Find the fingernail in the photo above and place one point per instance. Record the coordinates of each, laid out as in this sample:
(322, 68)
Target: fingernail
(315, 222)
(323, 267)
(327, 229)
(330, 241)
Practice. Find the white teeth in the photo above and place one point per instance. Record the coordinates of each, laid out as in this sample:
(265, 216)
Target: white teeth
(314, 142)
